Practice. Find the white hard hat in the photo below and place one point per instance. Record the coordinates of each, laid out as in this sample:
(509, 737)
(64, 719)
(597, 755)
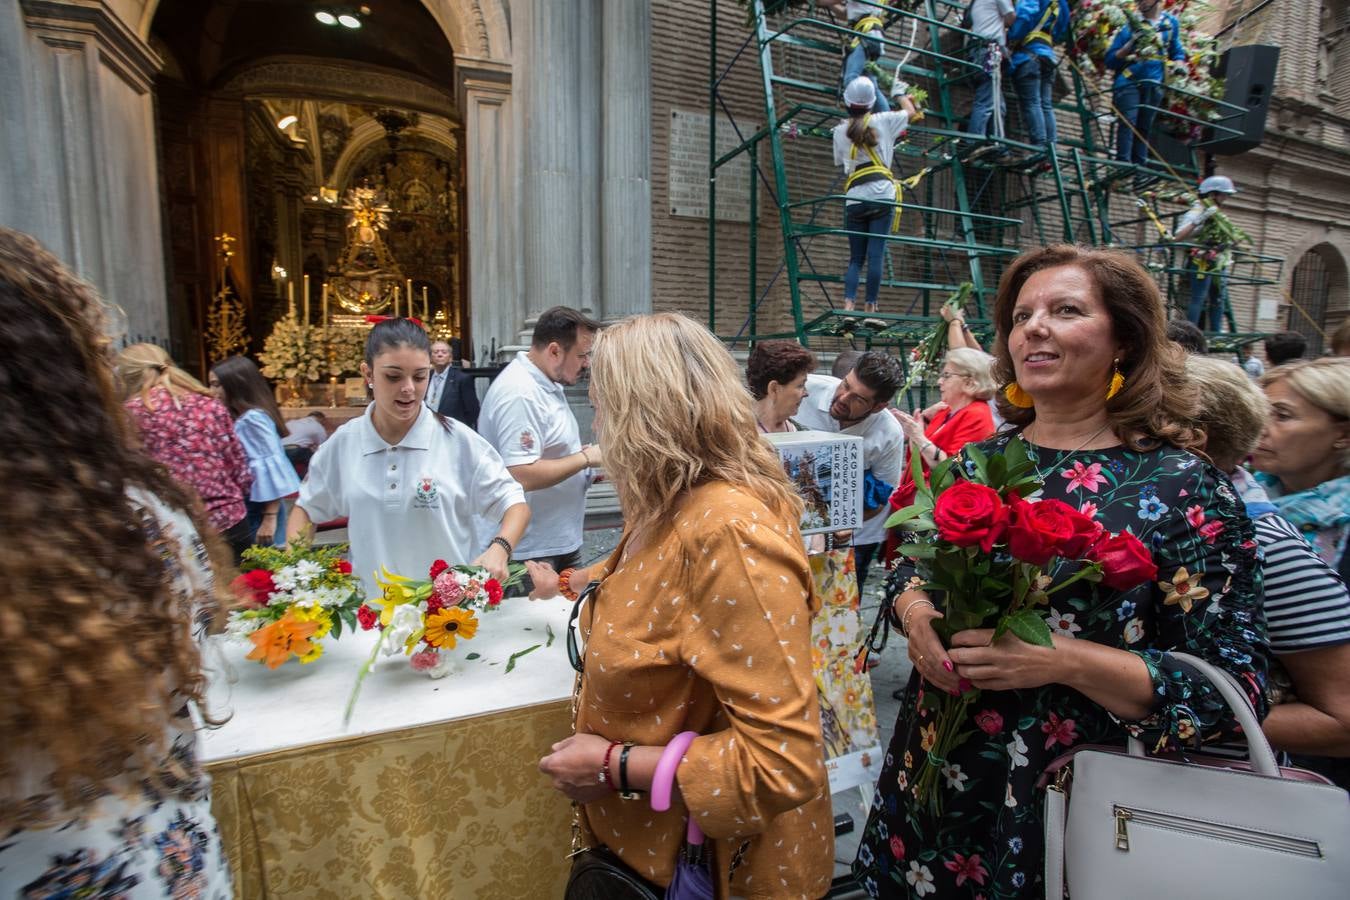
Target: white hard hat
(1221, 184)
(860, 92)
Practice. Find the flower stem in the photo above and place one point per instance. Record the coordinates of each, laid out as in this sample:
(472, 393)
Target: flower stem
(361, 677)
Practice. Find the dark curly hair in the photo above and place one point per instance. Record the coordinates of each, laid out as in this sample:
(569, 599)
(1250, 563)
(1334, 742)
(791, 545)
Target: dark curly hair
(99, 655)
(1158, 402)
(780, 361)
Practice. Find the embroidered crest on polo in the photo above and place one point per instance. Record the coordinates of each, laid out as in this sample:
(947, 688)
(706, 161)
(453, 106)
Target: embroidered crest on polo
(526, 441)
(426, 496)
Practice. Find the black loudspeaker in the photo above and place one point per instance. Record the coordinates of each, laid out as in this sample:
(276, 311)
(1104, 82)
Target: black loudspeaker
(1249, 78)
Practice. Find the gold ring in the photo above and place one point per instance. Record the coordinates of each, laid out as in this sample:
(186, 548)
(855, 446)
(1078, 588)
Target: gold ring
(920, 659)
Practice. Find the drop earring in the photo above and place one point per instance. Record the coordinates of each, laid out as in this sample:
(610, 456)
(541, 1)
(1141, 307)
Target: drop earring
(1018, 397)
(1117, 381)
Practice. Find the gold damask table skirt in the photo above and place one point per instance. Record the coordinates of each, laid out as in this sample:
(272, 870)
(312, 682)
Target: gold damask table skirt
(451, 810)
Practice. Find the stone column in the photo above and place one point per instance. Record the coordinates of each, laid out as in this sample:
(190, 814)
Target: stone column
(590, 91)
(492, 162)
(79, 165)
(626, 223)
(547, 66)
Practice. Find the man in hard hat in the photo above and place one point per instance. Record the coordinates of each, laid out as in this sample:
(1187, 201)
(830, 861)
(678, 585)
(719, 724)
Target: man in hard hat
(1211, 259)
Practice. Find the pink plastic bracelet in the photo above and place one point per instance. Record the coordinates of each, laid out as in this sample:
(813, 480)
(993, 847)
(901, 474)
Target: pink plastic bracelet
(663, 780)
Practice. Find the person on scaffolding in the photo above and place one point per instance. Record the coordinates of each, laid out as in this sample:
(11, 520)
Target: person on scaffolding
(1136, 56)
(1039, 25)
(989, 21)
(864, 144)
(1213, 255)
(865, 44)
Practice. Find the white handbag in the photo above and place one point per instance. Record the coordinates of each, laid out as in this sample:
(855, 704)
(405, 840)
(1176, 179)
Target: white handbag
(1142, 826)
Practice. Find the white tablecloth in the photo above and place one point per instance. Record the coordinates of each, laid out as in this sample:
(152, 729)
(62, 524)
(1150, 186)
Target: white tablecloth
(302, 704)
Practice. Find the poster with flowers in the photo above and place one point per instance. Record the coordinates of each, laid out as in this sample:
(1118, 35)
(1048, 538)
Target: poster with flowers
(291, 598)
(1190, 81)
(425, 619)
(984, 546)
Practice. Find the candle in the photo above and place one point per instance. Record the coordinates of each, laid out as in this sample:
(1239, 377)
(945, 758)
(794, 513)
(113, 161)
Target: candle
(306, 293)
(290, 297)
(426, 312)
(395, 301)
(411, 298)
(324, 292)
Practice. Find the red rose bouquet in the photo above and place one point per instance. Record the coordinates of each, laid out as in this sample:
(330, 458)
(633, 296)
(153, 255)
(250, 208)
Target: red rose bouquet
(986, 549)
(290, 598)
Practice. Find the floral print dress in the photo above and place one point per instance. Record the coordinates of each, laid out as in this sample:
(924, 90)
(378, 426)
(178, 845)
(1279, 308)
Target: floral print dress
(988, 842)
(144, 840)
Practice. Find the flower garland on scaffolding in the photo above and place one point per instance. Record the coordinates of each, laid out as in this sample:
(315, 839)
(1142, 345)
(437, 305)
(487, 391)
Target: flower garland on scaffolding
(1095, 24)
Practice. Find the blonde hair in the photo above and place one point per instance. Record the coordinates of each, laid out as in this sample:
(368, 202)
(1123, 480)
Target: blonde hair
(672, 413)
(1234, 412)
(1324, 382)
(143, 367)
(977, 367)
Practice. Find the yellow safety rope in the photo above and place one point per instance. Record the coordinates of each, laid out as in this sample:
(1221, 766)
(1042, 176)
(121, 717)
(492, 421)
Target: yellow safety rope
(877, 167)
(863, 26)
(1040, 32)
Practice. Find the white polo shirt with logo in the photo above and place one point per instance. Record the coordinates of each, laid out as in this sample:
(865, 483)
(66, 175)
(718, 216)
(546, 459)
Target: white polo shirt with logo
(883, 444)
(526, 417)
(411, 503)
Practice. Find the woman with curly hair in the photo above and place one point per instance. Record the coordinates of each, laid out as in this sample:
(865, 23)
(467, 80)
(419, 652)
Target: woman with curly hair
(107, 583)
(776, 373)
(182, 426)
(1100, 399)
(701, 623)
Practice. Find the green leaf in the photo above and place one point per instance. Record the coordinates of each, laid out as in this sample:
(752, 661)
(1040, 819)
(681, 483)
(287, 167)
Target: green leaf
(976, 455)
(1030, 627)
(918, 551)
(336, 631)
(901, 516)
(549, 628)
(998, 471)
(471, 656)
(511, 663)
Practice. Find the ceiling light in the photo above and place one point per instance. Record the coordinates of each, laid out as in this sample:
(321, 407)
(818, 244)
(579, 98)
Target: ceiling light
(326, 17)
(349, 20)
(286, 122)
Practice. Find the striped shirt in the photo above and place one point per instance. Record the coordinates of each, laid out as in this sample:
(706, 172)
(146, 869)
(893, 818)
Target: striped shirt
(1307, 606)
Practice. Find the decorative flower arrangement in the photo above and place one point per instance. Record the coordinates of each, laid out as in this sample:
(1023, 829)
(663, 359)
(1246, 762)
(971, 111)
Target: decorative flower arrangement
(987, 550)
(425, 618)
(346, 349)
(295, 350)
(927, 353)
(292, 598)
(1095, 22)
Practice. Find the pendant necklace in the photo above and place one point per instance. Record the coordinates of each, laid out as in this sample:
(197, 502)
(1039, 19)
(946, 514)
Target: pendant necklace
(1092, 437)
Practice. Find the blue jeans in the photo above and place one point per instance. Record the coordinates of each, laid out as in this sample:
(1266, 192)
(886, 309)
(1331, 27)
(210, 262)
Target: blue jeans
(255, 517)
(983, 110)
(874, 220)
(1137, 104)
(868, 49)
(1208, 290)
(1034, 78)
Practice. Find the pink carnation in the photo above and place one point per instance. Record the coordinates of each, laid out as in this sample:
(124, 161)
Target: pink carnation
(425, 660)
(448, 589)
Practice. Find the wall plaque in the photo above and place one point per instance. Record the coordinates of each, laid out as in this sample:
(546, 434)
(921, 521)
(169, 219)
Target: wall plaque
(688, 167)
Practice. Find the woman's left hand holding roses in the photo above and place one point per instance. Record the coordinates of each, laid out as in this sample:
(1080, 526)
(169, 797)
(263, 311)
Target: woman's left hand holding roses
(1008, 663)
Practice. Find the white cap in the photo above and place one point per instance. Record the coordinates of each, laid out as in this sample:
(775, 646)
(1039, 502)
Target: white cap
(860, 92)
(1217, 184)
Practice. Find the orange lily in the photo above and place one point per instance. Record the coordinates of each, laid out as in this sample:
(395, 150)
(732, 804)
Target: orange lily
(273, 644)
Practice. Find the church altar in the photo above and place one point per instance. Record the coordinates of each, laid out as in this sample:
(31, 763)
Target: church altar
(432, 791)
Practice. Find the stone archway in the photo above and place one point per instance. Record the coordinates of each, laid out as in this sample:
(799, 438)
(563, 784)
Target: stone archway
(1319, 285)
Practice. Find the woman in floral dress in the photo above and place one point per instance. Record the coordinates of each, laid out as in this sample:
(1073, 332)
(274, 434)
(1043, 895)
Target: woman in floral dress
(106, 582)
(1069, 320)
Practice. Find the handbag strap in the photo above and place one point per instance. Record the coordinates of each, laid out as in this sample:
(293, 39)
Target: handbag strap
(1055, 823)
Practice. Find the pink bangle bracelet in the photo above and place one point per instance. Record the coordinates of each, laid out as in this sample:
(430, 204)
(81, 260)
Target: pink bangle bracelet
(663, 780)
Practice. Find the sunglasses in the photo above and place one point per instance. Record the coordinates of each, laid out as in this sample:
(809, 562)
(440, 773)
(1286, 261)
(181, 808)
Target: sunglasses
(574, 648)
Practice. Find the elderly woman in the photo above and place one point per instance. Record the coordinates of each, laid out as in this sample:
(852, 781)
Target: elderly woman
(1304, 455)
(965, 384)
(701, 623)
(1307, 607)
(776, 373)
(1100, 399)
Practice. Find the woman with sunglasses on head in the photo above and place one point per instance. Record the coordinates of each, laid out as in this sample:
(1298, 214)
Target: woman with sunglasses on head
(108, 585)
(700, 623)
(260, 427)
(410, 481)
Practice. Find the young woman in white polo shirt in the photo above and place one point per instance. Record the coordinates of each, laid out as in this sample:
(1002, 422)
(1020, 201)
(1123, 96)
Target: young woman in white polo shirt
(408, 480)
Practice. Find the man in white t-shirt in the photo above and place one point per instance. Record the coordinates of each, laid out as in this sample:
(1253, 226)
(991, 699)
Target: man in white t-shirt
(303, 437)
(856, 404)
(526, 417)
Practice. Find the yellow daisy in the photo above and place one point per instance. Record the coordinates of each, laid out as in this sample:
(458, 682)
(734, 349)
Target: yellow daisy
(1182, 591)
(445, 626)
(928, 733)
